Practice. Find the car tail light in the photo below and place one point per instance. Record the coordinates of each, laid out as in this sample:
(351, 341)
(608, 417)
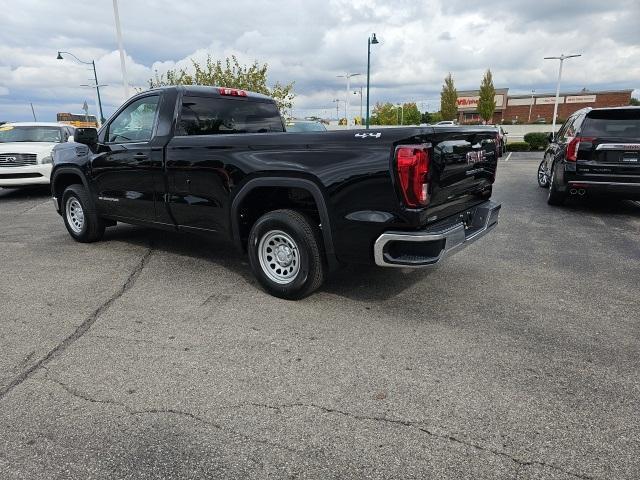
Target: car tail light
(572, 147)
(412, 165)
(232, 92)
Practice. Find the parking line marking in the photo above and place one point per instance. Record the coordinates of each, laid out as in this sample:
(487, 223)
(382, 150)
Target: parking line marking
(508, 156)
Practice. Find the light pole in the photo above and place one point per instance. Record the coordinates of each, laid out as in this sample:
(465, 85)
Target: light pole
(401, 113)
(359, 93)
(562, 58)
(530, 106)
(95, 77)
(337, 102)
(372, 40)
(347, 103)
(125, 80)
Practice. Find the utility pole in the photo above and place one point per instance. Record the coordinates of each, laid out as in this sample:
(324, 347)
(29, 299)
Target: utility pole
(530, 106)
(562, 58)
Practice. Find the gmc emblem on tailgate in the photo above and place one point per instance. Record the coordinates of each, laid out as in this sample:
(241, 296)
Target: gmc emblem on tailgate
(475, 156)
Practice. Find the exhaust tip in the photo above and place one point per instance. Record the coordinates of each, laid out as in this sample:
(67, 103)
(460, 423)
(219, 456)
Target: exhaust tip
(573, 191)
(582, 191)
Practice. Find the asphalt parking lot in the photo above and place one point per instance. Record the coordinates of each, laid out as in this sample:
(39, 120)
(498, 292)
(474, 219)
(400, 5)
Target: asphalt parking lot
(155, 355)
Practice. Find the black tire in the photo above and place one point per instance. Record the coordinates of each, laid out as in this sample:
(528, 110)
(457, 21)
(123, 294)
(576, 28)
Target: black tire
(555, 197)
(301, 262)
(543, 178)
(92, 227)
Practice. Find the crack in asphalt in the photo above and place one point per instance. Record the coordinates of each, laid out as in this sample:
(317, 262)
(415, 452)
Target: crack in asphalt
(417, 425)
(520, 463)
(165, 411)
(81, 329)
(32, 207)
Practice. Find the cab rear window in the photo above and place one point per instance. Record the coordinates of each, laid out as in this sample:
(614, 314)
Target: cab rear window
(219, 116)
(612, 123)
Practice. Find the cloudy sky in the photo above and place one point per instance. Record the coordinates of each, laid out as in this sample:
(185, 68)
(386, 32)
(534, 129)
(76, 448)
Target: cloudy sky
(311, 42)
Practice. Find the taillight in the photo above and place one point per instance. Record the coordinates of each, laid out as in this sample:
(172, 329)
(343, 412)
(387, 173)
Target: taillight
(412, 165)
(572, 147)
(232, 92)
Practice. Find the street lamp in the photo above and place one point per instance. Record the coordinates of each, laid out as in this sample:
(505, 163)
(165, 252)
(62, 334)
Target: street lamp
(359, 93)
(337, 102)
(531, 105)
(372, 40)
(401, 113)
(347, 103)
(562, 58)
(95, 77)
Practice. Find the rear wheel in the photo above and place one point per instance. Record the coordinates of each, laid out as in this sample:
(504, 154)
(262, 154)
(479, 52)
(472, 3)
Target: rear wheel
(543, 178)
(556, 197)
(82, 222)
(285, 254)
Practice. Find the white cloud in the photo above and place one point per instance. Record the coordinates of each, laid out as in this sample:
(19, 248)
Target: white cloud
(313, 42)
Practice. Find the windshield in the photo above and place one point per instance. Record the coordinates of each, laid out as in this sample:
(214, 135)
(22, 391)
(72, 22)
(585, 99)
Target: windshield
(9, 133)
(305, 127)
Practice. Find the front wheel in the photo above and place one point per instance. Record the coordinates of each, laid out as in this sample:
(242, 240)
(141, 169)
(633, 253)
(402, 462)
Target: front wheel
(555, 197)
(82, 222)
(543, 178)
(285, 254)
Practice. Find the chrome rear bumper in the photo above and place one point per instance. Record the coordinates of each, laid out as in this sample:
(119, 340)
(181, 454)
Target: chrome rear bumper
(428, 247)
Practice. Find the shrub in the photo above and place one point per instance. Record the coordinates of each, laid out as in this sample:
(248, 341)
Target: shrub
(518, 147)
(537, 140)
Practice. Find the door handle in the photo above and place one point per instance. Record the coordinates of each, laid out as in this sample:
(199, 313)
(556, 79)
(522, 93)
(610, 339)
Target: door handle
(140, 156)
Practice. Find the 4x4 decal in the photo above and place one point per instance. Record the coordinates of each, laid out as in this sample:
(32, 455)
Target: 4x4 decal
(370, 135)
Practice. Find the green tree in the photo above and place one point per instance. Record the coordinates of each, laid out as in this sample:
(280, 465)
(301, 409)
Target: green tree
(229, 73)
(411, 114)
(487, 100)
(384, 114)
(436, 117)
(634, 101)
(449, 99)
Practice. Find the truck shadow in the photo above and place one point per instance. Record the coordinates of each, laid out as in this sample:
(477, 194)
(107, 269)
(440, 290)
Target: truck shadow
(354, 282)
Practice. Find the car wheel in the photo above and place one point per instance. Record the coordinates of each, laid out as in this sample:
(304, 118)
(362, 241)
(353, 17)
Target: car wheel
(543, 178)
(285, 254)
(555, 196)
(82, 222)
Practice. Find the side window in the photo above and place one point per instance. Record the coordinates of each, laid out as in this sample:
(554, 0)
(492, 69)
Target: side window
(217, 116)
(135, 123)
(563, 132)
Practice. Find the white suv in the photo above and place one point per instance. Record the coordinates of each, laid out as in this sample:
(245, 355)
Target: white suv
(25, 151)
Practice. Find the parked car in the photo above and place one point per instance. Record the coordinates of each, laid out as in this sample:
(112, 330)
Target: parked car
(218, 161)
(304, 126)
(596, 151)
(25, 151)
(501, 139)
(446, 122)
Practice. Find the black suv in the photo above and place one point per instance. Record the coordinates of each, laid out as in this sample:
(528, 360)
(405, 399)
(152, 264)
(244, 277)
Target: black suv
(596, 151)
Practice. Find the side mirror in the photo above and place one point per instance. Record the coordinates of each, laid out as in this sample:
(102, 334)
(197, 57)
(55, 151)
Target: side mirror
(86, 136)
(551, 138)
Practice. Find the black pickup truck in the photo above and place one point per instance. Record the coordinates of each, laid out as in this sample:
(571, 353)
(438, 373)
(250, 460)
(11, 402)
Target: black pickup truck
(218, 161)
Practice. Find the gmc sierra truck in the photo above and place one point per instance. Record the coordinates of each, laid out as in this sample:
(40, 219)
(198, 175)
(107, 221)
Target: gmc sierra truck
(219, 161)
